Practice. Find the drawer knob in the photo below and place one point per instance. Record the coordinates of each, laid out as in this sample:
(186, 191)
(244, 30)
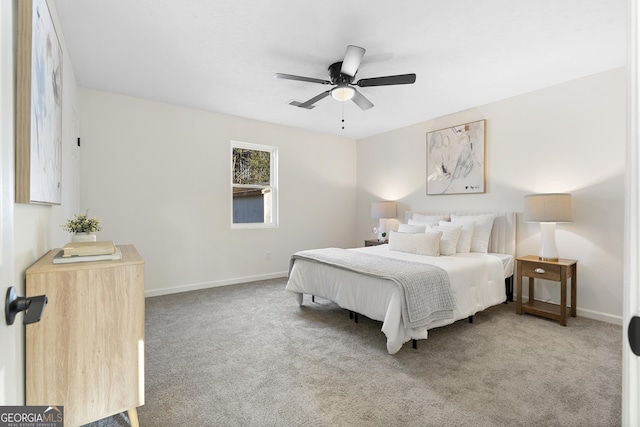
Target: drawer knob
(540, 270)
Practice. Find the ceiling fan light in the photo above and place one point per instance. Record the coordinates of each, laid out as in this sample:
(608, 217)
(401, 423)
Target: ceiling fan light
(343, 93)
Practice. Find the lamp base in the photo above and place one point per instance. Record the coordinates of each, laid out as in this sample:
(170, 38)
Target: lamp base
(548, 249)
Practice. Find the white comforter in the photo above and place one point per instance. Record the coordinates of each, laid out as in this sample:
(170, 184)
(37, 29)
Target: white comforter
(477, 281)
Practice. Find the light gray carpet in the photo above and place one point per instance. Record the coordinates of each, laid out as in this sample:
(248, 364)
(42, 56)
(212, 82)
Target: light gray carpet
(248, 355)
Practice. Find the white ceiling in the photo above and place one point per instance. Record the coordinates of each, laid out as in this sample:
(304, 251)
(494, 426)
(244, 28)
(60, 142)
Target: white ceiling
(221, 55)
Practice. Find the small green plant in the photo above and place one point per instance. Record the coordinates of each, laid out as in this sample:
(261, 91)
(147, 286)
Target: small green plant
(381, 235)
(81, 223)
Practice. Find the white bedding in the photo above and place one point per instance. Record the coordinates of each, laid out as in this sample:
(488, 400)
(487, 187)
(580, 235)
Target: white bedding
(477, 281)
(507, 263)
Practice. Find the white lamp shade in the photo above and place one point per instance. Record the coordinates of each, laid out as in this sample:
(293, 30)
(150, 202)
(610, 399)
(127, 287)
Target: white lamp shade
(343, 93)
(383, 210)
(550, 207)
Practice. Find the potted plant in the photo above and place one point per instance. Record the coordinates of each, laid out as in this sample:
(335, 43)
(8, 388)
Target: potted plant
(83, 228)
(382, 235)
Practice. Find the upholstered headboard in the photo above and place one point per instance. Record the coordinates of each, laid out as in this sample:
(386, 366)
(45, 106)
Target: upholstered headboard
(503, 232)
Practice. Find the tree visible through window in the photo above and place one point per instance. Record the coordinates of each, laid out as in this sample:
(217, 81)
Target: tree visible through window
(253, 183)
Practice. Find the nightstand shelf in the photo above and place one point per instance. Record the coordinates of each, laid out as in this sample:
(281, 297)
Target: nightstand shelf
(543, 309)
(559, 271)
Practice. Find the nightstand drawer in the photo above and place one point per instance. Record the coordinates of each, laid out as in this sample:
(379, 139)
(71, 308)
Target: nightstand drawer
(547, 271)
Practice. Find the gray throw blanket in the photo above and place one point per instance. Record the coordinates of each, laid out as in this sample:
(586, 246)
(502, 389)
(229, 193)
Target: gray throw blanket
(426, 290)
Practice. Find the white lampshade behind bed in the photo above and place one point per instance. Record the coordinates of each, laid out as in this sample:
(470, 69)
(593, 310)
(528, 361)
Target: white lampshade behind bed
(382, 211)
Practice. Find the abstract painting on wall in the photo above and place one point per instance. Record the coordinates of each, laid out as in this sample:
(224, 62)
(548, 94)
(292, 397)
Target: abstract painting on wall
(456, 159)
(38, 106)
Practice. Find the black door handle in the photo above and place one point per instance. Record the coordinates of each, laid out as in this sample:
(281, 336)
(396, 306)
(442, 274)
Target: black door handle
(32, 306)
(634, 335)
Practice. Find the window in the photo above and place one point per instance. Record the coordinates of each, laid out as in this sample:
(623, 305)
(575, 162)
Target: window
(254, 185)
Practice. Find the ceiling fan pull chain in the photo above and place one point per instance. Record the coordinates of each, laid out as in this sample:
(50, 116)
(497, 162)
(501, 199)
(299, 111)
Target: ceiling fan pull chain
(342, 116)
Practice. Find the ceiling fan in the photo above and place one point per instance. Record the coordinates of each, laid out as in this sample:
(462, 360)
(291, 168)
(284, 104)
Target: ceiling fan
(342, 78)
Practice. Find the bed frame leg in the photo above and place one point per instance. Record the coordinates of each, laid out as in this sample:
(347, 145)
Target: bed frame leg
(415, 344)
(313, 298)
(350, 314)
(470, 319)
(355, 317)
(508, 285)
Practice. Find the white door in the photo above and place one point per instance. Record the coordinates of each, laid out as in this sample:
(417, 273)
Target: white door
(11, 337)
(631, 362)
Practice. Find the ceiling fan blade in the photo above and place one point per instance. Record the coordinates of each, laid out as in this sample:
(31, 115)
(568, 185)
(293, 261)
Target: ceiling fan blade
(352, 58)
(360, 100)
(402, 79)
(300, 78)
(315, 99)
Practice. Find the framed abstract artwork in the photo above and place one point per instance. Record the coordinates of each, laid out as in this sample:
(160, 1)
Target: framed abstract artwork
(38, 106)
(456, 159)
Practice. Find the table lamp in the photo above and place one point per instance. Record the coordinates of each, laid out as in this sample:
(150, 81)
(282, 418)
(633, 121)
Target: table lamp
(382, 211)
(548, 209)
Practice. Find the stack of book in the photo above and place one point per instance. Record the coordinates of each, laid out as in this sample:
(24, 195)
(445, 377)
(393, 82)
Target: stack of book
(87, 251)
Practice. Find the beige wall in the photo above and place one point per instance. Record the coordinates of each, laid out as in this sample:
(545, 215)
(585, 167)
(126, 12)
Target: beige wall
(158, 176)
(566, 138)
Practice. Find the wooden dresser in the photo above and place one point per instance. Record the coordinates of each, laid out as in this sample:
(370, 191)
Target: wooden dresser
(87, 351)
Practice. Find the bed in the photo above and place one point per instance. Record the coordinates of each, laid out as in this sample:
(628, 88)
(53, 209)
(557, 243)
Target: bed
(477, 279)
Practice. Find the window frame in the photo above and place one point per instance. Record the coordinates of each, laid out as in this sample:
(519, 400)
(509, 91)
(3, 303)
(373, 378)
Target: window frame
(273, 184)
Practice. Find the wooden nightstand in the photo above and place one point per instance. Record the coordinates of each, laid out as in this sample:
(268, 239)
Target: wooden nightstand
(559, 271)
(373, 243)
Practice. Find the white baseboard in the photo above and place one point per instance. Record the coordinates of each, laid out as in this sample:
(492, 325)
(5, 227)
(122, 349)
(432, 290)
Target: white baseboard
(596, 315)
(206, 285)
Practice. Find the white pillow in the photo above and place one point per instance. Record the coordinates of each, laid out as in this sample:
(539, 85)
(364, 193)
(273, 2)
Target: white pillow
(429, 219)
(414, 222)
(416, 243)
(464, 241)
(408, 228)
(449, 239)
(481, 232)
